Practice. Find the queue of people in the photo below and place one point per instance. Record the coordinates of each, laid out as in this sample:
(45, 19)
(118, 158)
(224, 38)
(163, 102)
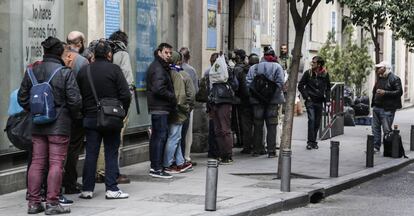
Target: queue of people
(65, 93)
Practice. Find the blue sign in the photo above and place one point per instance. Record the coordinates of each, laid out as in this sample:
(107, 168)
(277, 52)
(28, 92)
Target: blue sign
(146, 39)
(211, 24)
(112, 16)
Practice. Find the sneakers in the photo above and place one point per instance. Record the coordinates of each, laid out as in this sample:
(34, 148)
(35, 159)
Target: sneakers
(56, 209)
(86, 195)
(185, 167)
(64, 201)
(309, 147)
(116, 195)
(35, 209)
(172, 170)
(312, 146)
(159, 174)
(227, 161)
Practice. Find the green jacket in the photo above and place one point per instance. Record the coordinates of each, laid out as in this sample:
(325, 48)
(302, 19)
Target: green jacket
(185, 94)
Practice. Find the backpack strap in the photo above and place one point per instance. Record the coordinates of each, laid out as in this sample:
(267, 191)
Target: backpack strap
(32, 76)
(54, 73)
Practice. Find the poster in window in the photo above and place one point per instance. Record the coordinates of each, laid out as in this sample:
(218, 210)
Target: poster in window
(41, 19)
(146, 39)
(211, 24)
(112, 17)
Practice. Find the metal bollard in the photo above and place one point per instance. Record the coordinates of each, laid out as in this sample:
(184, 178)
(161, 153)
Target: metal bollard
(286, 166)
(333, 172)
(412, 138)
(211, 185)
(370, 151)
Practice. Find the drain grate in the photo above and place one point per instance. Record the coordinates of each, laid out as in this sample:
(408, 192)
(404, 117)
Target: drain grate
(147, 178)
(183, 198)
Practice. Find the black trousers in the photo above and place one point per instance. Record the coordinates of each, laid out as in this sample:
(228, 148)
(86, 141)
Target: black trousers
(75, 148)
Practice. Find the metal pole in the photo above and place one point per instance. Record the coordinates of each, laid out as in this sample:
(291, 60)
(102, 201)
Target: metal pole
(370, 151)
(334, 159)
(211, 185)
(286, 166)
(412, 138)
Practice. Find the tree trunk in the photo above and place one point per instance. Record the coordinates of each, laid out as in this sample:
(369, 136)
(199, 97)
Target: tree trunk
(290, 101)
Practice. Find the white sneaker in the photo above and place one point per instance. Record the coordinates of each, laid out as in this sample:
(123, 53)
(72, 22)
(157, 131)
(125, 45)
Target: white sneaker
(116, 195)
(86, 195)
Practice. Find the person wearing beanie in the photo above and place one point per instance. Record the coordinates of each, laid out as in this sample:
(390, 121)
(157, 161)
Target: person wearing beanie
(268, 70)
(174, 161)
(51, 140)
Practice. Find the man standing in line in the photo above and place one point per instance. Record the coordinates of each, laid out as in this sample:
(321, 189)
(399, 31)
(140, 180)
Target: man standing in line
(266, 111)
(161, 101)
(315, 87)
(72, 58)
(187, 131)
(386, 100)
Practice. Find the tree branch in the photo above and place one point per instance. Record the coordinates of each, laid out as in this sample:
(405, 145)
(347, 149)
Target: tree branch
(311, 11)
(294, 12)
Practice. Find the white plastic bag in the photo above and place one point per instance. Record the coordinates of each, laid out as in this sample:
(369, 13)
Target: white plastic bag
(218, 72)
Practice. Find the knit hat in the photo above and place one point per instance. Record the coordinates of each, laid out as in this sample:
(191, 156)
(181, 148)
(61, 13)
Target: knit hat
(175, 57)
(52, 46)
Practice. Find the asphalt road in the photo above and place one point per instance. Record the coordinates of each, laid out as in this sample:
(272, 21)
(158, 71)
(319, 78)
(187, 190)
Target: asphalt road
(389, 195)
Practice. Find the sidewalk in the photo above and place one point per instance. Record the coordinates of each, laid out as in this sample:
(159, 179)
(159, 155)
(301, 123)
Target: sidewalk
(247, 187)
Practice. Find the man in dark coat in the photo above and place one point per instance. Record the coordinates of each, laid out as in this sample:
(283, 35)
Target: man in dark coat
(315, 87)
(386, 100)
(50, 141)
(161, 101)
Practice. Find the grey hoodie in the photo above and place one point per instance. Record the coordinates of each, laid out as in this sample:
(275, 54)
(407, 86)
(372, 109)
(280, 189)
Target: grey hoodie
(122, 59)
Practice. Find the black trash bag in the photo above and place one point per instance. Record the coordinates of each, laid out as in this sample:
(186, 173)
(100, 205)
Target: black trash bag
(348, 96)
(362, 99)
(19, 130)
(361, 109)
(349, 116)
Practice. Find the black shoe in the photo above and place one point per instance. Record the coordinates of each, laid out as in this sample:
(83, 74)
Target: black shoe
(54, 209)
(35, 209)
(72, 190)
(271, 155)
(246, 151)
(315, 146)
(64, 201)
(309, 147)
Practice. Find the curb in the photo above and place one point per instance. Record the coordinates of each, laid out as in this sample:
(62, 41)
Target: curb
(319, 191)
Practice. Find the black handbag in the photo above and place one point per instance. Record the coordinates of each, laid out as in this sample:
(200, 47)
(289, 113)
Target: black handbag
(110, 114)
(19, 130)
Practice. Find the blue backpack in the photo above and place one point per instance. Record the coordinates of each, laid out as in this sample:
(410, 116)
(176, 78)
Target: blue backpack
(42, 102)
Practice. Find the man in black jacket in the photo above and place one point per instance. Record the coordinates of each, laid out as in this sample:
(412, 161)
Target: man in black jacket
(109, 82)
(50, 141)
(161, 101)
(386, 100)
(315, 88)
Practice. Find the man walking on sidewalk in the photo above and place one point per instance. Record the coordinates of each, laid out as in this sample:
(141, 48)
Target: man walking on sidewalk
(386, 100)
(315, 88)
(161, 101)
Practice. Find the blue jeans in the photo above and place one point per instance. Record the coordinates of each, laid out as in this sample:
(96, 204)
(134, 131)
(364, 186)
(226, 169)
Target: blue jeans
(172, 150)
(158, 140)
(314, 111)
(381, 117)
(93, 142)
